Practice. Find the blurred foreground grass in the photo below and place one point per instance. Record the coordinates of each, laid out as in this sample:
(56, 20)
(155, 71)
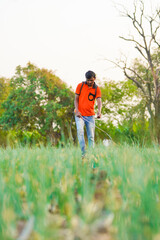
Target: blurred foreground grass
(113, 194)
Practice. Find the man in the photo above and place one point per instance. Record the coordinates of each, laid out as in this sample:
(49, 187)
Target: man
(85, 95)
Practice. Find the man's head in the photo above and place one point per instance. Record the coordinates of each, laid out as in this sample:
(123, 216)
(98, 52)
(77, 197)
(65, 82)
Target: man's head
(90, 78)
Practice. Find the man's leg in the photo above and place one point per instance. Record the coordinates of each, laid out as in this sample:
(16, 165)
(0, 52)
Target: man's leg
(80, 133)
(90, 127)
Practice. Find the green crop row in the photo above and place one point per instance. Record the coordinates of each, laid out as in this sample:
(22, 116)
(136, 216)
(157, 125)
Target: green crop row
(114, 193)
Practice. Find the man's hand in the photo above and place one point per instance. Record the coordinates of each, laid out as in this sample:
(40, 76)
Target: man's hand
(99, 107)
(99, 115)
(78, 114)
(76, 103)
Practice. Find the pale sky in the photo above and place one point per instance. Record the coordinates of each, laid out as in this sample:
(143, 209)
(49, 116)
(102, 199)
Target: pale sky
(69, 37)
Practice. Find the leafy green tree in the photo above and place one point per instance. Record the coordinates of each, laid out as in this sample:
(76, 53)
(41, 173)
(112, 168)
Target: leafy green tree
(123, 112)
(4, 92)
(125, 117)
(39, 100)
(117, 99)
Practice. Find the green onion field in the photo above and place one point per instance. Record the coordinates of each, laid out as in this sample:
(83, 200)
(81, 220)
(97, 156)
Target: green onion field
(51, 193)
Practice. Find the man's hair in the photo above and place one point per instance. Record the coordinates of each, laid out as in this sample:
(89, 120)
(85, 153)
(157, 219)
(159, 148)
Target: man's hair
(90, 74)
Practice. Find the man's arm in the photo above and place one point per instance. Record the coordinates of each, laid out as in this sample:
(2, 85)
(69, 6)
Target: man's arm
(76, 103)
(99, 103)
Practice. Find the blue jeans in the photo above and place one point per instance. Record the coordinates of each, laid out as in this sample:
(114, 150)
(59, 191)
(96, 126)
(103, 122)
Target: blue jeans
(90, 127)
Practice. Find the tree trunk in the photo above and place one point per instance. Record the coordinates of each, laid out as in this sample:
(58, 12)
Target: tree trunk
(157, 118)
(151, 121)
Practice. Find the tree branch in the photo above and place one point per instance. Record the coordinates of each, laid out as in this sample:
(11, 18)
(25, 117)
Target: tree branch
(132, 40)
(131, 70)
(135, 81)
(153, 33)
(131, 78)
(141, 52)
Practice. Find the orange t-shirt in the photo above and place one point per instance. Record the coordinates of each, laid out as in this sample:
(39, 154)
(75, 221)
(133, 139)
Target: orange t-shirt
(86, 101)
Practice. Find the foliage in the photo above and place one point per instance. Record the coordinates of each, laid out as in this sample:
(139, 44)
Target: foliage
(124, 113)
(3, 138)
(4, 91)
(39, 101)
(118, 99)
(23, 138)
(129, 131)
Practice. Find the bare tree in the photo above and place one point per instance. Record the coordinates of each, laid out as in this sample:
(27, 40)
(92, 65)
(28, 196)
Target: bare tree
(145, 39)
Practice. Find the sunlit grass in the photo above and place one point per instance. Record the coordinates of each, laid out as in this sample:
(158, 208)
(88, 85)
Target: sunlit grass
(113, 193)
